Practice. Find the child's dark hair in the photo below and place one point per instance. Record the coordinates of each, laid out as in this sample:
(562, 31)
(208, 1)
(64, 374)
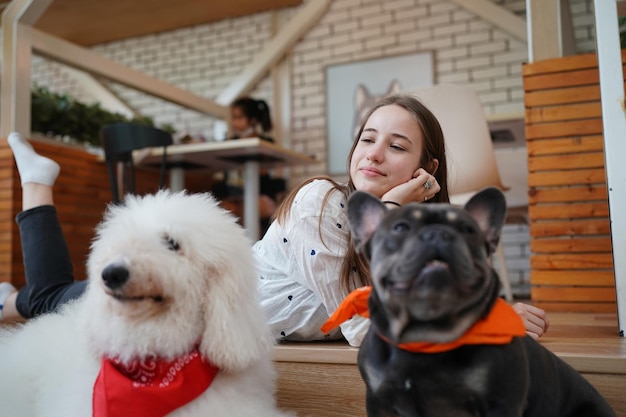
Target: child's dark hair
(255, 110)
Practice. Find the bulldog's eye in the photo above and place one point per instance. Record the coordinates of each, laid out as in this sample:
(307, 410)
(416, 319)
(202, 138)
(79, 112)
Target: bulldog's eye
(171, 244)
(467, 229)
(400, 227)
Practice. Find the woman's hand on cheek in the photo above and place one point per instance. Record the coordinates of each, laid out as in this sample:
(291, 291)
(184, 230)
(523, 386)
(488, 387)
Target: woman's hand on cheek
(414, 189)
(535, 319)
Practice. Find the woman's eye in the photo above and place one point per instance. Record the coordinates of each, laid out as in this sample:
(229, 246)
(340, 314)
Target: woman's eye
(367, 140)
(171, 244)
(398, 147)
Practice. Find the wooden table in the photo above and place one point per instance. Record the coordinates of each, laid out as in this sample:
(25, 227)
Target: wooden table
(250, 154)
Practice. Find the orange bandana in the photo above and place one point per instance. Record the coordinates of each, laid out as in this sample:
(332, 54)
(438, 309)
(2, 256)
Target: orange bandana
(498, 328)
(150, 388)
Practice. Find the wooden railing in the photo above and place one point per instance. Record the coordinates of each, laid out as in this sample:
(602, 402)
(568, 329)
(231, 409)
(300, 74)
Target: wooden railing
(571, 260)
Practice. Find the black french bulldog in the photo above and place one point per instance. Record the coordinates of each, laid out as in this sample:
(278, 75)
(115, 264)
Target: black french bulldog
(431, 282)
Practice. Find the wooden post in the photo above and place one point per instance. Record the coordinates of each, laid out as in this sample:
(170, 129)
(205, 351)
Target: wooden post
(17, 21)
(550, 32)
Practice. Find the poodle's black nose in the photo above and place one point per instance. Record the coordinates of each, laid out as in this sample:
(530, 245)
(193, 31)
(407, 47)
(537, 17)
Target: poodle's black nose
(114, 276)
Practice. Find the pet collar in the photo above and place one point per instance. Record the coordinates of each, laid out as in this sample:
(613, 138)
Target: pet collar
(497, 328)
(150, 388)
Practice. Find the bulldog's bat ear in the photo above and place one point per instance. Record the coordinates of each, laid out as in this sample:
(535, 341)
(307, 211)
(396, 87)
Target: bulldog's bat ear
(365, 212)
(488, 208)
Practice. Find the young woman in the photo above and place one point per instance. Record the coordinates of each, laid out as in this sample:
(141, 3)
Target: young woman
(306, 260)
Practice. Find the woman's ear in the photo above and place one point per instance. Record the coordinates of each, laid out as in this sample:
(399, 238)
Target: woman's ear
(432, 166)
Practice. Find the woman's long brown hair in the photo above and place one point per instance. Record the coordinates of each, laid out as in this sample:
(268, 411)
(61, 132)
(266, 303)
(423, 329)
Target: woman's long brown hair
(433, 148)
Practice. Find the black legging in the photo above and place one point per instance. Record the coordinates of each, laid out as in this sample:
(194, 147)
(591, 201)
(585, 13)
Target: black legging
(47, 264)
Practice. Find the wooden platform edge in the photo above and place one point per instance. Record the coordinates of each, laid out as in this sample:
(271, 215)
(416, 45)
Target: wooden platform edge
(322, 378)
(343, 354)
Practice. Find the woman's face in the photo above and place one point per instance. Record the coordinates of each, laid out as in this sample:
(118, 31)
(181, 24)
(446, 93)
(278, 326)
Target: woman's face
(239, 122)
(389, 151)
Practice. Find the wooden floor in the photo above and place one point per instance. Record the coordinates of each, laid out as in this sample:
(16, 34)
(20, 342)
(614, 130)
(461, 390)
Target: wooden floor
(322, 379)
(587, 341)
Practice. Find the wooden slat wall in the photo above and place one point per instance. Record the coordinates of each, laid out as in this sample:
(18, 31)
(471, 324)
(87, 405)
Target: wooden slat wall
(6, 211)
(571, 260)
(81, 194)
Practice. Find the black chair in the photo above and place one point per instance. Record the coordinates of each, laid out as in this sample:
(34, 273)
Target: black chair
(119, 140)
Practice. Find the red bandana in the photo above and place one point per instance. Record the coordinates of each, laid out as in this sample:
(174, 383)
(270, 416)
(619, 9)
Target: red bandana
(150, 388)
(498, 328)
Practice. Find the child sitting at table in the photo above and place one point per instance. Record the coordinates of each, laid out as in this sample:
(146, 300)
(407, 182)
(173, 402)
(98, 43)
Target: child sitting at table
(251, 118)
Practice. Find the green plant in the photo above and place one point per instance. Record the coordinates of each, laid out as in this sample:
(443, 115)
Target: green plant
(60, 115)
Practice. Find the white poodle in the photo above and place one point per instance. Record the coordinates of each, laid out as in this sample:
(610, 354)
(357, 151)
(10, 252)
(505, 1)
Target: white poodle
(171, 305)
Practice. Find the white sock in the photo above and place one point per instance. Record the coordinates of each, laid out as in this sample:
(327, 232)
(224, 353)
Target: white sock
(32, 166)
(5, 289)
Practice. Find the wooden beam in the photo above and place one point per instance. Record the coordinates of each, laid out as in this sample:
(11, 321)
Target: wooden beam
(542, 18)
(550, 29)
(17, 21)
(86, 60)
(614, 124)
(497, 16)
(281, 82)
(567, 36)
(276, 48)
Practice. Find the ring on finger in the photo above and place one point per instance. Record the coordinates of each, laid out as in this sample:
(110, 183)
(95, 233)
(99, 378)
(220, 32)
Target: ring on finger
(427, 185)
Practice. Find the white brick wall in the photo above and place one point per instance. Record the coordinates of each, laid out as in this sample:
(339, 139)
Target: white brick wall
(204, 59)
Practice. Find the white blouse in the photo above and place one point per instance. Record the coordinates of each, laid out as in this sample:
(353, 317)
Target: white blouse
(299, 272)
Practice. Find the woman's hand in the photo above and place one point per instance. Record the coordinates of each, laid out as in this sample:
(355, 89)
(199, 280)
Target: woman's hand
(414, 189)
(535, 319)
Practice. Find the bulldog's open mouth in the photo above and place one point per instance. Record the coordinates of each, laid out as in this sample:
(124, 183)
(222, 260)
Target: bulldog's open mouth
(433, 265)
(404, 286)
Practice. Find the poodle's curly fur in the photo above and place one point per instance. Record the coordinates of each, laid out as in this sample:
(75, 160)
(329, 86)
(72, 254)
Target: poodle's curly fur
(191, 278)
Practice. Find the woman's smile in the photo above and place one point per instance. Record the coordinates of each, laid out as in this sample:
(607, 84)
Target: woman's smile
(371, 172)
